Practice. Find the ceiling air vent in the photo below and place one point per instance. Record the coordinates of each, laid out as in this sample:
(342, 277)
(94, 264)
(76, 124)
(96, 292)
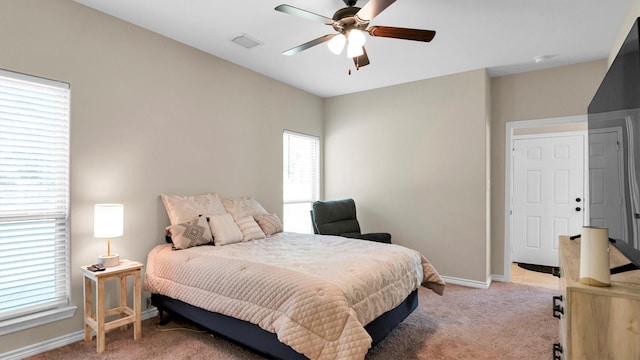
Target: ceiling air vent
(246, 41)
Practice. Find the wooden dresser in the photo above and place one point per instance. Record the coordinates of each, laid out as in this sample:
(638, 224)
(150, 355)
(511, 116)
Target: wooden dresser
(596, 322)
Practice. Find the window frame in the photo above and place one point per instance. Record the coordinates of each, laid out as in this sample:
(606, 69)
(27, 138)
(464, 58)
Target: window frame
(56, 307)
(315, 191)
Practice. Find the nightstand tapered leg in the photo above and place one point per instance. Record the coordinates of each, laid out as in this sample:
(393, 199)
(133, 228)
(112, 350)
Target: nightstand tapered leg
(137, 306)
(123, 298)
(100, 316)
(87, 309)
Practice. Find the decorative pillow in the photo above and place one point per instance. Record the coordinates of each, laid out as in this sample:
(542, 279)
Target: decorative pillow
(191, 233)
(270, 223)
(185, 208)
(250, 229)
(242, 207)
(224, 229)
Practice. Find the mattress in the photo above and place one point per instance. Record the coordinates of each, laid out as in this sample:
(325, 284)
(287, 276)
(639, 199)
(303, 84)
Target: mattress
(315, 292)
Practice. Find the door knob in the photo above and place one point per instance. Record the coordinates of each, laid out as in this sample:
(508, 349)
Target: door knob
(578, 199)
(578, 208)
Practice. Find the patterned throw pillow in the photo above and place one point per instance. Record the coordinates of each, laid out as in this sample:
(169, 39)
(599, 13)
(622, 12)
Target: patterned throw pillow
(270, 223)
(250, 229)
(224, 229)
(184, 208)
(191, 233)
(242, 207)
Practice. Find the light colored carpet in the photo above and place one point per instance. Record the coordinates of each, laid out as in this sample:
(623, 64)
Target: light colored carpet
(507, 321)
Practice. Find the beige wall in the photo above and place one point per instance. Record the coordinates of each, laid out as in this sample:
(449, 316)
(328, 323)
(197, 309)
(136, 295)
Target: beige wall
(550, 93)
(413, 158)
(378, 145)
(148, 116)
(625, 27)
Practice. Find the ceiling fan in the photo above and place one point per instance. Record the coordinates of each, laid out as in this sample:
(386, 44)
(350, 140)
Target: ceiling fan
(351, 23)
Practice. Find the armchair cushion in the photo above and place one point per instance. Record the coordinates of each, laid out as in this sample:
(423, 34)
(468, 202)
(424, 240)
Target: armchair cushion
(335, 217)
(338, 217)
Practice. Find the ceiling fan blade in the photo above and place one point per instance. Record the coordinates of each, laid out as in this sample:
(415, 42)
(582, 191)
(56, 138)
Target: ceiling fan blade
(292, 10)
(362, 60)
(402, 33)
(372, 8)
(309, 44)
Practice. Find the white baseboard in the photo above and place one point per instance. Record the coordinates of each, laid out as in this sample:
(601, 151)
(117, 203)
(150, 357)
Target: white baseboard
(63, 340)
(466, 282)
(500, 278)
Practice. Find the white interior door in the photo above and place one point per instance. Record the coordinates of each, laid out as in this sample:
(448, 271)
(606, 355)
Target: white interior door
(548, 195)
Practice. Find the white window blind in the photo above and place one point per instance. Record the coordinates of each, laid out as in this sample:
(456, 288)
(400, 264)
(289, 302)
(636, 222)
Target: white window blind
(34, 195)
(301, 180)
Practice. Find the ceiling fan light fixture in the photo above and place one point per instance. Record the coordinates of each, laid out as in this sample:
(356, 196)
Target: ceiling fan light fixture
(354, 50)
(337, 44)
(357, 38)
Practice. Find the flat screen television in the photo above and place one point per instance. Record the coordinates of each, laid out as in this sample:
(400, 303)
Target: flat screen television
(614, 152)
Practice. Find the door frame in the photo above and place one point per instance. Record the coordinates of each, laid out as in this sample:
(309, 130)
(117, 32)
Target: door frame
(511, 127)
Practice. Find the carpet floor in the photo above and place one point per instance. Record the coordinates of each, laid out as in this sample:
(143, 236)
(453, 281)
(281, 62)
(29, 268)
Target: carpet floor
(506, 321)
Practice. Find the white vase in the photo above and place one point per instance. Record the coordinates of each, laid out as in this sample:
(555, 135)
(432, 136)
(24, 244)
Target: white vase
(594, 256)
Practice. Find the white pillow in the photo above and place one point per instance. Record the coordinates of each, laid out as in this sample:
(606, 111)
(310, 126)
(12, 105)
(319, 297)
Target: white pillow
(185, 208)
(224, 229)
(242, 207)
(191, 233)
(250, 229)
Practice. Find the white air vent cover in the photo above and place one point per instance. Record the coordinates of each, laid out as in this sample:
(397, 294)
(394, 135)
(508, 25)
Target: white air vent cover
(246, 41)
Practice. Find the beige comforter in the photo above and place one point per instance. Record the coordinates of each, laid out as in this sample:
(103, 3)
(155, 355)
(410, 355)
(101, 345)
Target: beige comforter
(315, 293)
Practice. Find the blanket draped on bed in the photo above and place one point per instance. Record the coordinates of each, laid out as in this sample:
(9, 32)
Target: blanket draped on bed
(315, 293)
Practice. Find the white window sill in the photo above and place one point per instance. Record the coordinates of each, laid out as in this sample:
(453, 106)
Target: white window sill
(36, 319)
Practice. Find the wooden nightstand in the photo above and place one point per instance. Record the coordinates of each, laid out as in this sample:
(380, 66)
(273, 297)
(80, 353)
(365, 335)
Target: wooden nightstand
(127, 314)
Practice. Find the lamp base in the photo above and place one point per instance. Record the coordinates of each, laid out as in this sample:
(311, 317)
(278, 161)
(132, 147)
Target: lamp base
(109, 260)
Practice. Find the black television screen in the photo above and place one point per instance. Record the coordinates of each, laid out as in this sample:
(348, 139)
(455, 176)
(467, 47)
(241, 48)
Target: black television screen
(614, 150)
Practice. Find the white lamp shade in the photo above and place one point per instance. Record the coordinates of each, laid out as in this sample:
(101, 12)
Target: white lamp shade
(356, 38)
(108, 220)
(354, 50)
(336, 44)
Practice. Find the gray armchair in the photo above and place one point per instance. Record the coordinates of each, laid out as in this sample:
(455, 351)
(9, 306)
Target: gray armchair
(338, 217)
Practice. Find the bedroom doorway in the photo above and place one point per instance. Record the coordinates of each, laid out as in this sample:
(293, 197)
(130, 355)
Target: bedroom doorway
(565, 126)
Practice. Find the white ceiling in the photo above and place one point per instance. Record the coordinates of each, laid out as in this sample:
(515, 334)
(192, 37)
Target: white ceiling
(503, 36)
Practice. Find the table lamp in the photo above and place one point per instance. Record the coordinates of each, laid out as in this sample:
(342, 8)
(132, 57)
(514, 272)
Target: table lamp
(108, 222)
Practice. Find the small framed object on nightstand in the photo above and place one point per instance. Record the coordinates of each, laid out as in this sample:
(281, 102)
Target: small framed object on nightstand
(127, 314)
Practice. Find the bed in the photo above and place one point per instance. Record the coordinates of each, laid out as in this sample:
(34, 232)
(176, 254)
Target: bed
(290, 295)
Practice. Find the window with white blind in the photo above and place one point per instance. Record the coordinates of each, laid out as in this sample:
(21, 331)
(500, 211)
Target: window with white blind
(34, 201)
(301, 180)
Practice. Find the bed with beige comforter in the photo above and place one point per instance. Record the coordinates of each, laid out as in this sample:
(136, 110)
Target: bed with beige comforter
(316, 293)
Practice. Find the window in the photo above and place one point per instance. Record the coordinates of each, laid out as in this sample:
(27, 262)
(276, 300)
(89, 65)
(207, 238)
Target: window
(301, 180)
(34, 205)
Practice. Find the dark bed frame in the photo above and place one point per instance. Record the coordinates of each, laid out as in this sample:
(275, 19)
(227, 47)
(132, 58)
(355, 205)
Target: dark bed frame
(261, 341)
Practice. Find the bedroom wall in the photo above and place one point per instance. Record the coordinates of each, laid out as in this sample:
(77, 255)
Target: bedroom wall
(413, 158)
(148, 116)
(549, 93)
(632, 15)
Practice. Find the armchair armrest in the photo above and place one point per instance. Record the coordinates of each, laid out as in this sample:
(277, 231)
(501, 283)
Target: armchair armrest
(378, 237)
